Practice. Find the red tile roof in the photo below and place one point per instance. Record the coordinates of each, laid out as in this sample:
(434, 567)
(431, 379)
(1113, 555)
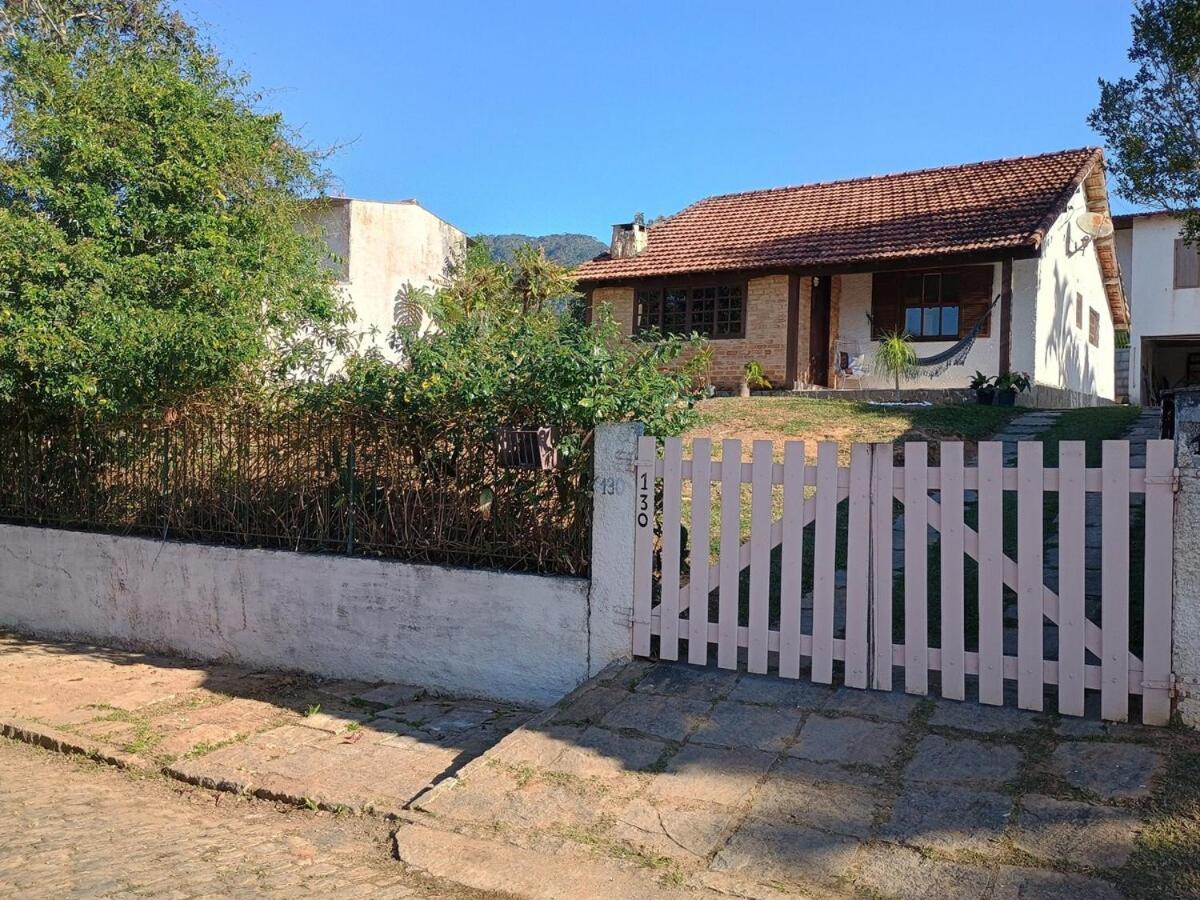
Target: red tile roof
(1005, 204)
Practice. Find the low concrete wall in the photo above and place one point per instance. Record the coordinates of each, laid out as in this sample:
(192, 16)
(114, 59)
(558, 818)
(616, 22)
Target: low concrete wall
(515, 637)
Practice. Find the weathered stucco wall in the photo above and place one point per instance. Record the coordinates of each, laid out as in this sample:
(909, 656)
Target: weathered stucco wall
(515, 637)
(1064, 359)
(382, 247)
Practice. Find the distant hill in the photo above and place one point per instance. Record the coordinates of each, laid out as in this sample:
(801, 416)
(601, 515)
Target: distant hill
(565, 249)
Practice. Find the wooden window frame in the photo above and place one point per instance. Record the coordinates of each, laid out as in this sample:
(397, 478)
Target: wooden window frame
(922, 305)
(1093, 327)
(689, 287)
(1078, 311)
(1191, 254)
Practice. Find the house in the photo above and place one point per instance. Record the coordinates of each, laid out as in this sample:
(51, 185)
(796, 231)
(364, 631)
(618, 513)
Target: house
(378, 249)
(1161, 276)
(805, 279)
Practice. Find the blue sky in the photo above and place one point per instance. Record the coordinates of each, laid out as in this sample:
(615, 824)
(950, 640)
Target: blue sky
(549, 117)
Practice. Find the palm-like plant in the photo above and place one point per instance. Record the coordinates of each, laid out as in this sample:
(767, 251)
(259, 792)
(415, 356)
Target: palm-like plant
(896, 357)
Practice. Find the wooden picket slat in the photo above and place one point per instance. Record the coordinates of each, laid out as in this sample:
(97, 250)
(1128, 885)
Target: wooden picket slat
(858, 529)
(882, 492)
(1159, 524)
(1114, 582)
(991, 569)
(791, 560)
(824, 556)
(760, 558)
(729, 585)
(1072, 569)
(916, 582)
(668, 642)
(698, 563)
(953, 632)
(1030, 578)
(643, 543)
(871, 487)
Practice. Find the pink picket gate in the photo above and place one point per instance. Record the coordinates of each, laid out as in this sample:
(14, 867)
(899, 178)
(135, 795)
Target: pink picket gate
(1031, 584)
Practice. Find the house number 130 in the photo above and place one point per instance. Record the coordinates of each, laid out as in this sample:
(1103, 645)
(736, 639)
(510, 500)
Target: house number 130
(643, 510)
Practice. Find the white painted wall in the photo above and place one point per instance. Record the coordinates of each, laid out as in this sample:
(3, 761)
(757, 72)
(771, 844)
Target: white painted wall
(854, 328)
(515, 637)
(382, 247)
(1063, 359)
(1159, 310)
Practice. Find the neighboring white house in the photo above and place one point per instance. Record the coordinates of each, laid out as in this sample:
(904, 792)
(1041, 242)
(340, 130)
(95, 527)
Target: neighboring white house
(378, 249)
(806, 279)
(1162, 280)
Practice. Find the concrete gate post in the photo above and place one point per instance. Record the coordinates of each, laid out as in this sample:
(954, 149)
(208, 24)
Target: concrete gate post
(610, 610)
(1185, 624)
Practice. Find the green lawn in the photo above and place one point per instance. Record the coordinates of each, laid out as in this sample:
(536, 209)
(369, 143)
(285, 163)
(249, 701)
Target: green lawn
(845, 421)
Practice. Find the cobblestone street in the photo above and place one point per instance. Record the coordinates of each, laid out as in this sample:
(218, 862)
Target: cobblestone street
(74, 828)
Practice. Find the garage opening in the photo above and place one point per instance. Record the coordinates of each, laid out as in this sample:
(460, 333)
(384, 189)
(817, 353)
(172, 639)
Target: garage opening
(1167, 364)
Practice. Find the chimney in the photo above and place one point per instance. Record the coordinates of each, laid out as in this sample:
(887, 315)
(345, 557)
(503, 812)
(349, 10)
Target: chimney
(629, 239)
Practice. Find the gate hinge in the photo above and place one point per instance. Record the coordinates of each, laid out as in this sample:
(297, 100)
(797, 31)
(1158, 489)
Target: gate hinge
(1184, 685)
(1172, 479)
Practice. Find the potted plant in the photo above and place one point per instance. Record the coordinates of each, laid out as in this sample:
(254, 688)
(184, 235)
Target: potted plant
(753, 376)
(984, 388)
(896, 357)
(1009, 385)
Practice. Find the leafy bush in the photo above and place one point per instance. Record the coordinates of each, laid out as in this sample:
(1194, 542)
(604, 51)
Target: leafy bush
(501, 353)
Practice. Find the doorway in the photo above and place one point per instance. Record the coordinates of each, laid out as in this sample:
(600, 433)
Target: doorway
(818, 331)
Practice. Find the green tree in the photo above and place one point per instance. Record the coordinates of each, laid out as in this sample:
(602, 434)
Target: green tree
(151, 217)
(1151, 121)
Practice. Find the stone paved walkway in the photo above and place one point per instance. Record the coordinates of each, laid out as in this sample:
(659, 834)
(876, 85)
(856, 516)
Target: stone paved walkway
(720, 781)
(279, 736)
(77, 829)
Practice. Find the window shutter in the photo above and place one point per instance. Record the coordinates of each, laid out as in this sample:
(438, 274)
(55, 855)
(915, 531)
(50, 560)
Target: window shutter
(1187, 264)
(974, 298)
(885, 303)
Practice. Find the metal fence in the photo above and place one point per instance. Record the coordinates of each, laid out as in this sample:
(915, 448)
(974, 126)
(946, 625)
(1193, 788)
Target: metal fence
(348, 483)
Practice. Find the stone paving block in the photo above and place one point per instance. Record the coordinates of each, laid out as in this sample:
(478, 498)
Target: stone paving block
(774, 851)
(681, 680)
(971, 716)
(847, 740)
(743, 725)
(417, 712)
(538, 747)
(689, 833)
(819, 795)
(1109, 770)
(591, 706)
(598, 753)
(898, 873)
(772, 690)
(963, 762)
(891, 706)
(459, 719)
(390, 694)
(671, 718)
(700, 773)
(948, 818)
(1080, 833)
(1014, 883)
(334, 722)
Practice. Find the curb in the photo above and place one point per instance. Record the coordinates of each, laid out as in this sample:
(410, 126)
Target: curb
(50, 738)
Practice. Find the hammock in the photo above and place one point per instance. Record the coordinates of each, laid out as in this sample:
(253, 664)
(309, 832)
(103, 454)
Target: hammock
(935, 365)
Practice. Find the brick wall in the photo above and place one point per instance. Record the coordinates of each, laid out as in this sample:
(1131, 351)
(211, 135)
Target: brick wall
(766, 329)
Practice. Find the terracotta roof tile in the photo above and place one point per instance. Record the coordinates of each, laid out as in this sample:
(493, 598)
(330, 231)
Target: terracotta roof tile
(997, 205)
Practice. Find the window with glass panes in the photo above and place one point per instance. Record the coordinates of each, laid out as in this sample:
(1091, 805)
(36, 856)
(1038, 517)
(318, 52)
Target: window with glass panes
(715, 311)
(931, 305)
